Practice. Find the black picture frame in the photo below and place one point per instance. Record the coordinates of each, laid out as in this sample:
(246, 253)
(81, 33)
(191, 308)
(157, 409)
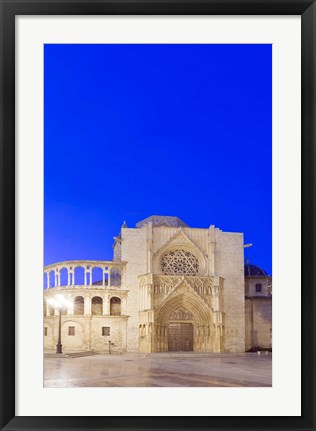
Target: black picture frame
(9, 10)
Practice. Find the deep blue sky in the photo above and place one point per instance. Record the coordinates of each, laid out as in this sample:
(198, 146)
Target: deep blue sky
(139, 130)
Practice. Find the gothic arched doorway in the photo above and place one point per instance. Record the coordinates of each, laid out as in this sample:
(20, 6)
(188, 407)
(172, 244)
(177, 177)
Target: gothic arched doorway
(183, 323)
(184, 306)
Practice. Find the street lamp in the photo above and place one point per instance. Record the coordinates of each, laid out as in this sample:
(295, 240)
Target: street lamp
(59, 302)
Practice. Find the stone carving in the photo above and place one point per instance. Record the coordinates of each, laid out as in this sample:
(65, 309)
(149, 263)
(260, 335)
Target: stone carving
(181, 314)
(215, 291)
(164, 284)
(179, 262)
(182, 239)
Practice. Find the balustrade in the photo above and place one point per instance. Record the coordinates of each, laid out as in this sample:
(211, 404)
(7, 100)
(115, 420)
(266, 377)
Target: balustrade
(106, 274)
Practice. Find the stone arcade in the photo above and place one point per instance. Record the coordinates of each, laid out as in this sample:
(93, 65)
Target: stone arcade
(169, 287)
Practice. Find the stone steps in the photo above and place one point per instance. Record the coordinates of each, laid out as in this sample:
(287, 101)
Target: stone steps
(70, 355)
(81, 354)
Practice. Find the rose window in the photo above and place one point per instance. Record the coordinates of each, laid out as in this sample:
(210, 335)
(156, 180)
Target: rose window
(179, 262)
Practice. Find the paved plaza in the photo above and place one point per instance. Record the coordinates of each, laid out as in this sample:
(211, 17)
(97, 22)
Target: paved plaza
(159, 370)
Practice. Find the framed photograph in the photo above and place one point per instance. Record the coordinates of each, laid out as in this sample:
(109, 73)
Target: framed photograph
(157, 175)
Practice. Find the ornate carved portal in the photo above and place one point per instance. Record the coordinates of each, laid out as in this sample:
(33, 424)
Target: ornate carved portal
(184, 315)
(184, 323)
(181, 314)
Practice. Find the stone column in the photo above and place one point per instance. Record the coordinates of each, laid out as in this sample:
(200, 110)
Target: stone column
(149, 246)
(144, 297)
(87, 305)
(211, 250)
(165, 334)
(150, 296)
(139, 298)
(47, 308)
(87, 335)
(123, 306)
(158, 338)
(140, 289)
(70, 311)
(215, 295)
(123, 276)
(106, 305)
(48, 281)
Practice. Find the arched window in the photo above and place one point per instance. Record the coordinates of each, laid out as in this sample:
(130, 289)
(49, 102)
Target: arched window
(97, 276)
(52, 279)
(79, 305)
(115, 306)
(64, 311)
(45, 280)
(96, 308)
(52, 311)
(115, 277)
(79, 276)
(63, 274)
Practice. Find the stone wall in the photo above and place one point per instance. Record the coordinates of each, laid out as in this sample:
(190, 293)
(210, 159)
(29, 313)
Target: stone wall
(143, 248)
(252, 281)
(134, 252)
(258, 317)
(117, 251)
(229, 264)
(80, 333)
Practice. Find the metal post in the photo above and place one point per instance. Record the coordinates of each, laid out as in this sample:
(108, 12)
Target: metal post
(59, 345)
(110, 344)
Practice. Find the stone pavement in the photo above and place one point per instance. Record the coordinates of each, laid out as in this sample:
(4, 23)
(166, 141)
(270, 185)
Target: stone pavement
(160, 370)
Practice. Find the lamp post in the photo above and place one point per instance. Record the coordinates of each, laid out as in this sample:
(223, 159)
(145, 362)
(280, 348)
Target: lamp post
(59, 302)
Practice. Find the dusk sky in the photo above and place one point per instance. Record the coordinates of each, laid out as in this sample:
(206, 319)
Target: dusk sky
(139, 130)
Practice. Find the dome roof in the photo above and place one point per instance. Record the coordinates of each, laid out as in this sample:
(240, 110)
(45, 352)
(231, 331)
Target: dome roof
(157, 221)
(253, 270)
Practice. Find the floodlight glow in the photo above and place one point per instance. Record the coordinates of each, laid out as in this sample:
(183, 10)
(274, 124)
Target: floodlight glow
(59, 301)
(53, 302)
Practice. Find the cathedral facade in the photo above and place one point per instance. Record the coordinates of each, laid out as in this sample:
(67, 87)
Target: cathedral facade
(169, 287)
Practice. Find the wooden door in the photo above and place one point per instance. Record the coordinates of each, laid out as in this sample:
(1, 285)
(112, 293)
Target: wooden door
(180, 337)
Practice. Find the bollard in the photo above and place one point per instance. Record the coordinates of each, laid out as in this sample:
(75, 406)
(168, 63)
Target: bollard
(110, 344)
